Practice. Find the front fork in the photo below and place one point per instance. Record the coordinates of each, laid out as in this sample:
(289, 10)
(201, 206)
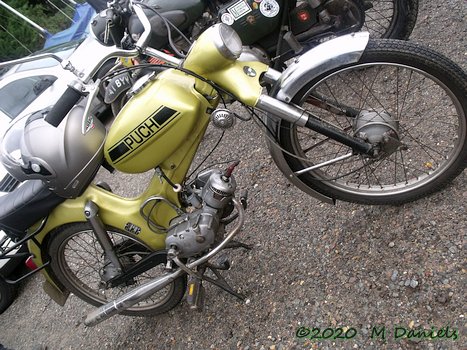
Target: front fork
(301, 117)
(91, 211)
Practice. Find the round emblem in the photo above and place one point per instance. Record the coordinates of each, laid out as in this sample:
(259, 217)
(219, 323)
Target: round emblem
(269, 8)
(249, 71)
(227, 18)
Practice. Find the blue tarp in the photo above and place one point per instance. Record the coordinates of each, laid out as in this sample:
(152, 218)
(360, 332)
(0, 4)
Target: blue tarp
(82, 17)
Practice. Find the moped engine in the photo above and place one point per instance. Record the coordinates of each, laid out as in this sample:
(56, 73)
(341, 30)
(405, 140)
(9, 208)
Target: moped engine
(192, 233)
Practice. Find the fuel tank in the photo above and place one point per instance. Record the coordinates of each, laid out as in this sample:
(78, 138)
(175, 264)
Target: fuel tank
(155, 122)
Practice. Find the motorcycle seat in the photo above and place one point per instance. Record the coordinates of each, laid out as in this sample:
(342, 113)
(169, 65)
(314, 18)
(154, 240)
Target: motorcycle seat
(27, 204)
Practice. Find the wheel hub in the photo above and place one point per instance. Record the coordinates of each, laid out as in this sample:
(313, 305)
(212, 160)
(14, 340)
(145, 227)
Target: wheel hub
(380, 129)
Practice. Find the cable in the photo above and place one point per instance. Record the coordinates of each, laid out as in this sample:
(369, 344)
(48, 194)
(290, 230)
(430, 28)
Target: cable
(169, 24)
(209, 154)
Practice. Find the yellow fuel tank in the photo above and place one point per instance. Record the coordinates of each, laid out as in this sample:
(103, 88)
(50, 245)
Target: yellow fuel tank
(155, 122)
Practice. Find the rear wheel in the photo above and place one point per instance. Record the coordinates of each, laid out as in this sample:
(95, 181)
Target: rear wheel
(393, 19)
(409, 100)
(80, 264)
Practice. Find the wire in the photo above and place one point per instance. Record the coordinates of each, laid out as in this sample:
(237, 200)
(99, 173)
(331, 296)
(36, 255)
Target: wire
(169, 24)
(212, 164)
(19, 42)
(209, 154)
(60, 10)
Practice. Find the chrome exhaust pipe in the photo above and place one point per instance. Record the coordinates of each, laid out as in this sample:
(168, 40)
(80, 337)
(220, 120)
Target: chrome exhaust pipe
(146, 290)
(129, 299)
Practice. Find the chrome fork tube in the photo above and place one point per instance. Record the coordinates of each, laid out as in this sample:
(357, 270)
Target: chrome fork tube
(90, 212)
(299, 116)
(146, 290)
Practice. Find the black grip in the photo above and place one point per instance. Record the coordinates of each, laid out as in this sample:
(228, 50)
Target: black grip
(63, 106)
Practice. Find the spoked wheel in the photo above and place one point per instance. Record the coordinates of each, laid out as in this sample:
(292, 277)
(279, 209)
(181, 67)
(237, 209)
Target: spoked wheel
(80, 264)
(393, 19)
(409, 101)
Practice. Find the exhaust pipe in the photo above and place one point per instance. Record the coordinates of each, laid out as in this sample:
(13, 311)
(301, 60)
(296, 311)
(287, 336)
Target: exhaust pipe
(146, 290)
(131, 298)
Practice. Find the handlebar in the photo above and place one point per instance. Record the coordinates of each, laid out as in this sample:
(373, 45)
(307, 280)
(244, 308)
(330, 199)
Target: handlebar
(63, 106)
(72, 95)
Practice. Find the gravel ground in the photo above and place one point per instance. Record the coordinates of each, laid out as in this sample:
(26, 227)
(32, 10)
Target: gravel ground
(313, 265)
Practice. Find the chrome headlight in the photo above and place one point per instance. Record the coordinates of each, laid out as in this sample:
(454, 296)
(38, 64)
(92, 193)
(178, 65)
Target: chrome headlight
(228, 42)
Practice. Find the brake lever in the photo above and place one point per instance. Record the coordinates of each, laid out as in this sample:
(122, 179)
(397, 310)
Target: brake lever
(87, 120)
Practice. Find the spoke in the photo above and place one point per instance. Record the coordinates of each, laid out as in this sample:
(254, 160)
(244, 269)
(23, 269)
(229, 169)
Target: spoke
(82, 258)
(405, 166)
(406, 93)
(424, 147)
(338, 105)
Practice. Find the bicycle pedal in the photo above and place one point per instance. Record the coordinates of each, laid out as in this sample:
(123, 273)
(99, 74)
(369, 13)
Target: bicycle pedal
(195, 294)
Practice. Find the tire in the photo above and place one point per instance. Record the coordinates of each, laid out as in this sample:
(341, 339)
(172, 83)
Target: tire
(7, 295)
(77, 260)
(391, 19)
(418, 92)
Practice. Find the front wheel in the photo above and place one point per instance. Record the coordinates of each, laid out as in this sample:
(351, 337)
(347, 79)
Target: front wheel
(79, 263)
(410, 100)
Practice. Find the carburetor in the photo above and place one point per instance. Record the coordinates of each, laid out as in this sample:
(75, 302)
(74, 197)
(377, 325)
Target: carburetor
(192, 233)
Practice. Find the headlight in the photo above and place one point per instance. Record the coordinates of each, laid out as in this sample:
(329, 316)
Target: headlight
(230, 44)
(216, 48)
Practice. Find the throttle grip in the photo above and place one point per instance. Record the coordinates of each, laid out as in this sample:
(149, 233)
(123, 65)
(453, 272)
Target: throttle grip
(64, 104)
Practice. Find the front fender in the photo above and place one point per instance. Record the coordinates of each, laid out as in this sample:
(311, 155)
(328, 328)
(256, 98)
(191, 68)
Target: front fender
(332, 54)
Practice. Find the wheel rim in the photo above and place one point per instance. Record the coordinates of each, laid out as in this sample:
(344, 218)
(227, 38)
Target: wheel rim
(431, 128)
(380, 20)
(81, 260)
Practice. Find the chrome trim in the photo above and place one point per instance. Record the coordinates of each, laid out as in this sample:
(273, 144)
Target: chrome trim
(329, 55)
(320, 165)
(143, 39)
(100, 53)
(282, 110)
(162, 56)
(271, 76)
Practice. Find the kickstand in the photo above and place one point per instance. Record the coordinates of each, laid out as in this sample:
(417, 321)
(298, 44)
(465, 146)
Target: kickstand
(221, 282)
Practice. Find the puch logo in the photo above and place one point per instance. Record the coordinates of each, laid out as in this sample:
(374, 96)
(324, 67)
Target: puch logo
(142, 133)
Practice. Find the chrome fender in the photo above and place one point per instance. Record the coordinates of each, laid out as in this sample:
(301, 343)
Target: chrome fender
(331, 54)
